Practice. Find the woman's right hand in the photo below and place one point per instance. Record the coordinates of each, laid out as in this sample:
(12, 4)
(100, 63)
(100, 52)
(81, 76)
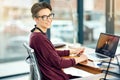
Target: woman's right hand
(81, 58)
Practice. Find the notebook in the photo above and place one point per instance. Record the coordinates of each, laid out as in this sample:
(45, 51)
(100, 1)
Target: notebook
(105, 48)
(59, 45)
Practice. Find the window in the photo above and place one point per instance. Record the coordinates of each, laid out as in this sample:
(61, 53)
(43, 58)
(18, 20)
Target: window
(15, 25)
(94, 21)
(64, 26)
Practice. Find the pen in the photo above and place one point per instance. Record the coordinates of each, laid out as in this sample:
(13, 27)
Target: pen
(78, 55)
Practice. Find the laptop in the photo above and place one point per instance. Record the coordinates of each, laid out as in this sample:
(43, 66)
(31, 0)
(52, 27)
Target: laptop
(106, 47)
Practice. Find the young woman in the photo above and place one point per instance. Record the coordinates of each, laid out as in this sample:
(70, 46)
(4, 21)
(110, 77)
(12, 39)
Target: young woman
(50, 60)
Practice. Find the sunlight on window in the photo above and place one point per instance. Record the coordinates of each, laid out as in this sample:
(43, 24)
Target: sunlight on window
(15, 25)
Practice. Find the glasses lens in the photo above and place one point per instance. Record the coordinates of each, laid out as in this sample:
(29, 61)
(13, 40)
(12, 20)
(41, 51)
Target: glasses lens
(44, 17)
(51, 15)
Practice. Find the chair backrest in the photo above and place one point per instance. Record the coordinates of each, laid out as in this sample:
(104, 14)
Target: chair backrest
(34, 69)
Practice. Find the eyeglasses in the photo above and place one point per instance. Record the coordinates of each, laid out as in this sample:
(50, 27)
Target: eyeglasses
(45, 17)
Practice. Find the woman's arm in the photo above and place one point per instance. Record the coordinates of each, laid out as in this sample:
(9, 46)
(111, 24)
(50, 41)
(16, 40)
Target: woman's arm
(63, 52)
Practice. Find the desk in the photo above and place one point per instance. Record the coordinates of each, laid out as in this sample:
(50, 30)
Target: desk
(95, 77)
(89, 67)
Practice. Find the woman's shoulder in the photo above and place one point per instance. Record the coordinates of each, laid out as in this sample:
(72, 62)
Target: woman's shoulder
(37, 35)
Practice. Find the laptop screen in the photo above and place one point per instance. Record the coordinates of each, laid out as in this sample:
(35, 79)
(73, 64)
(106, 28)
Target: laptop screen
(107, 44)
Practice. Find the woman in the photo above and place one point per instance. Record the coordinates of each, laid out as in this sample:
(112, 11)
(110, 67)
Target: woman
(50, 61)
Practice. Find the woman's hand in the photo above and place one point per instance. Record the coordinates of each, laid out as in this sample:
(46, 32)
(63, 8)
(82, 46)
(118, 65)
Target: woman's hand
(77, 51)
(81, 58)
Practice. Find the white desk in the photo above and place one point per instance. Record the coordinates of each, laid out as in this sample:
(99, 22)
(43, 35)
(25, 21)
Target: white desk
(84, 74)
(95, 77)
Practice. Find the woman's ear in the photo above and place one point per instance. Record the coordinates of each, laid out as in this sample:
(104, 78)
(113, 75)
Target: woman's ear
(35, 19)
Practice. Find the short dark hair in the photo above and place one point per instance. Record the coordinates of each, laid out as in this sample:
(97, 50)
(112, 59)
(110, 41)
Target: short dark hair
(39, 6)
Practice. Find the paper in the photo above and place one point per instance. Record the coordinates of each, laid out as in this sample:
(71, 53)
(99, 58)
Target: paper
(77, 72)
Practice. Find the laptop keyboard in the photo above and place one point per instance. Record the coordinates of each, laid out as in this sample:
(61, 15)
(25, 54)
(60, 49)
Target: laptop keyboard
(94, 56)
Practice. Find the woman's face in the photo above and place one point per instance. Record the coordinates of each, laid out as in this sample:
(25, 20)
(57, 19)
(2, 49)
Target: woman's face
(44, 18)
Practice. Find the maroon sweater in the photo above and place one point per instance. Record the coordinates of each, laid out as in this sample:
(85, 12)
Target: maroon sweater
(49, 60)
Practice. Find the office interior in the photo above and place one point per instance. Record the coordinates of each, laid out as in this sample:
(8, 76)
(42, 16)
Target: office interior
(75, 21)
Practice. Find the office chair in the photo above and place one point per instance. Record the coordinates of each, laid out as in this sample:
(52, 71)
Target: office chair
(35, 73)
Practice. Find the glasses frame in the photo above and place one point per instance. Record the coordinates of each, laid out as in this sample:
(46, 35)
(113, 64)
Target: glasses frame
(45, 17)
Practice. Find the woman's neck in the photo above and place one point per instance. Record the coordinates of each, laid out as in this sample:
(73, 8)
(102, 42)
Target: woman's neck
(43, 29)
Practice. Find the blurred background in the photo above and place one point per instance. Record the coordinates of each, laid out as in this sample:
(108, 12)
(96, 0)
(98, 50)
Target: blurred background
(76, 21)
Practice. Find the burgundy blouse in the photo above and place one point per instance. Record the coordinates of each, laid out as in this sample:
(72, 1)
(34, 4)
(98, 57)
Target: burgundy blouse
(49, 60)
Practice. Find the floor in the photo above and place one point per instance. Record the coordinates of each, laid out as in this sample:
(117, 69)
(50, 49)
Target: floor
(21, 77)
(18, 70)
